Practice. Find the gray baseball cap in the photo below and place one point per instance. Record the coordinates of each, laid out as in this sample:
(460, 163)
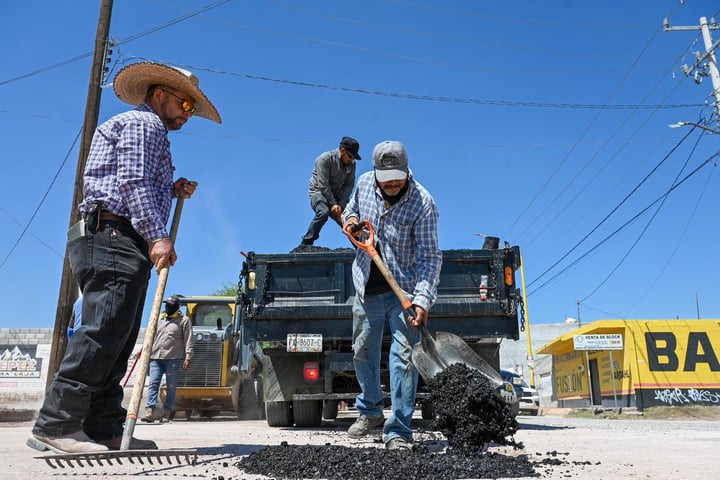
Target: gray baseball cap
(390, 161)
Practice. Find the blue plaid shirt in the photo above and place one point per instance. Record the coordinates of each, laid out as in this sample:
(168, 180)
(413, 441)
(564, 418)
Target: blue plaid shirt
(129, 171)
(406, 234)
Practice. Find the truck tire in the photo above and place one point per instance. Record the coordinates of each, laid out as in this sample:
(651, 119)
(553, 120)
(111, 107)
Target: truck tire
(330, 409)
(307, 413)
(279, 414)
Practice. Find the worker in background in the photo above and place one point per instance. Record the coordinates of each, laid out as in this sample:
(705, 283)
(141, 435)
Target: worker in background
(404, 217)
(75, 317)
(331, 184)
(128, 189)
(172, 349)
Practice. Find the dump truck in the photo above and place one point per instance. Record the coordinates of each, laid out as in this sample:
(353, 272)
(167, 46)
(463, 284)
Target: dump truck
(293, 325)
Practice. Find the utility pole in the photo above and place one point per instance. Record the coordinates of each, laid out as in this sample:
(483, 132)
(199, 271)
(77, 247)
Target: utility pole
(68, 286)
(705, 63)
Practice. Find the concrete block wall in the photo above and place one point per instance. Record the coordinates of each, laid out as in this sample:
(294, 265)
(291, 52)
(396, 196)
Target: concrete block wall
(24, 361)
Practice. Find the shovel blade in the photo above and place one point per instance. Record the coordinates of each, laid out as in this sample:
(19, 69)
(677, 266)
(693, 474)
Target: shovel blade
(453, 349)
(426, 358)
(433, 355)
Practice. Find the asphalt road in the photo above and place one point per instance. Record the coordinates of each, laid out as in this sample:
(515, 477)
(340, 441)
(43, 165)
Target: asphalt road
(593, 448)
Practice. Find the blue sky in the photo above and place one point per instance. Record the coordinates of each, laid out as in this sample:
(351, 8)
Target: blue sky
(542, 123)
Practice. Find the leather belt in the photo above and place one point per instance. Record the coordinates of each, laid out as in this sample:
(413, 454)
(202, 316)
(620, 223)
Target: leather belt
(111, 216)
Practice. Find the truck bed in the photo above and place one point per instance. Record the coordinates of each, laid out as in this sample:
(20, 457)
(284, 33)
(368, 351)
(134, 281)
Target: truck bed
(313, 293)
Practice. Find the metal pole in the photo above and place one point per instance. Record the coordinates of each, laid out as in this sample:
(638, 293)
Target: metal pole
(68, 286)
(612, 373)
(530, 358)
(587, 363)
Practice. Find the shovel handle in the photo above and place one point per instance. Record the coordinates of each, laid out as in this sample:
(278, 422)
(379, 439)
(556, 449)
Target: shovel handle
(369, 246)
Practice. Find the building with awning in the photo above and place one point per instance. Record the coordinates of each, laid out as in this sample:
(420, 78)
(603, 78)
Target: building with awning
(657, 362)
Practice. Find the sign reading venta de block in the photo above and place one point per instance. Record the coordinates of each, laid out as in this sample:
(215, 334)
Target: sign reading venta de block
(610, 341)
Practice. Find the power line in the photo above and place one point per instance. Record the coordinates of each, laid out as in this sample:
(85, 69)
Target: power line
(615, 209)
(42, 200)
(647, 225)
(129, 39)
(622, 227)
(443, 99)
(572, 150)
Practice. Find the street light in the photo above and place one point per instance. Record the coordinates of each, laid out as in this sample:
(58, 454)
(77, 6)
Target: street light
(685, 124)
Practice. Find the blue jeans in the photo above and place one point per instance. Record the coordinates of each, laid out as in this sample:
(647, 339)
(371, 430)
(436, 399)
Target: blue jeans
(112, 267)
(170, 369)
(369, 318)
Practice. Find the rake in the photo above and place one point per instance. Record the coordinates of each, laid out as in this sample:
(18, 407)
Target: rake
(141, 457)
(134, 456)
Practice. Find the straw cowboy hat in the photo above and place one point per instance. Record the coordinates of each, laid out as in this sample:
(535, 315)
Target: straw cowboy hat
(132, 83)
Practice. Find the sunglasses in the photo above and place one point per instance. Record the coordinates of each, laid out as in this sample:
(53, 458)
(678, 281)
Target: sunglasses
(186, 105)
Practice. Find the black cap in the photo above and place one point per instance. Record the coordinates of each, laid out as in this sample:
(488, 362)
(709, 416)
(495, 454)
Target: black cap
(351, 146)
(174, 299)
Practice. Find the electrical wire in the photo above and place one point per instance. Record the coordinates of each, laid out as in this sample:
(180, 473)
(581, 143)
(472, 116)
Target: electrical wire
(615, 209)
(126, 40)
(42, 201)
(557, 169)
(647, 225)
(622, 227)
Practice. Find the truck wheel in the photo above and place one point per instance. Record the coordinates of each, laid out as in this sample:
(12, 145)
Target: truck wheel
(307, 413)
(427, 410)
(330, 409)
(279, 414)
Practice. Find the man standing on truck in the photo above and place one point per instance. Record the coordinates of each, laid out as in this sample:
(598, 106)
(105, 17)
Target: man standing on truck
(128, 189)
(172, 348)
(331, 184)
(405, 220)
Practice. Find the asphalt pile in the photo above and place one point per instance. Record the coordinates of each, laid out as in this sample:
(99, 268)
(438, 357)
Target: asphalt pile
(334, 462)
(470, 413)
(469, 410)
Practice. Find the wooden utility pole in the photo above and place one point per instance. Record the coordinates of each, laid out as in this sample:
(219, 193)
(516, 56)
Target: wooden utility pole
(68, 285)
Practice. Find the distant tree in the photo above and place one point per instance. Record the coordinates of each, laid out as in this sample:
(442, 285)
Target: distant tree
(228, 289)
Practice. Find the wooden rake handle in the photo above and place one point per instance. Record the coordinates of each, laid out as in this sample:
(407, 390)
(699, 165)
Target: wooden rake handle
(150, 331)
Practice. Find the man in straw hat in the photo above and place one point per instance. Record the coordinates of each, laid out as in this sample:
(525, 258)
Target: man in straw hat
(128, 189)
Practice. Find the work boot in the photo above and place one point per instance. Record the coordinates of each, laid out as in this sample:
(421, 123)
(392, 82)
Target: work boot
(398, 443)
(158, 413)
(76, 442)
(149, 415)
(363, 424)
(135, 443)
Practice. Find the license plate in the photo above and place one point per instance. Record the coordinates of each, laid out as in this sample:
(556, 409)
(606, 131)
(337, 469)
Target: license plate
(304, 342)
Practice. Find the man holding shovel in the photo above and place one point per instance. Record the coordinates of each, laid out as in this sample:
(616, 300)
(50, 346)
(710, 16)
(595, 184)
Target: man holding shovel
(128, 189)
(405, 221)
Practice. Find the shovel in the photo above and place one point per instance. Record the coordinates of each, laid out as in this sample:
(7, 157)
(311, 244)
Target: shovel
(140, 456)
(431, 355)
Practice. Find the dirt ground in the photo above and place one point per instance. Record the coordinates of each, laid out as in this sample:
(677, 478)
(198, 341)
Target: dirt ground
(627, 446)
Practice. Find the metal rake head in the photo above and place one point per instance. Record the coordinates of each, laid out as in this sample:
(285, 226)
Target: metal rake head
(142, 457)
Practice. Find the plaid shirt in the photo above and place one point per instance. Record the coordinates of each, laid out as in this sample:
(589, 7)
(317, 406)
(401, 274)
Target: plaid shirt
(129, 171)
(405, 234)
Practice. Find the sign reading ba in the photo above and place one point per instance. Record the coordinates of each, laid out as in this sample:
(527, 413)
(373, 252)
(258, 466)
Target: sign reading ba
(609, 341)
